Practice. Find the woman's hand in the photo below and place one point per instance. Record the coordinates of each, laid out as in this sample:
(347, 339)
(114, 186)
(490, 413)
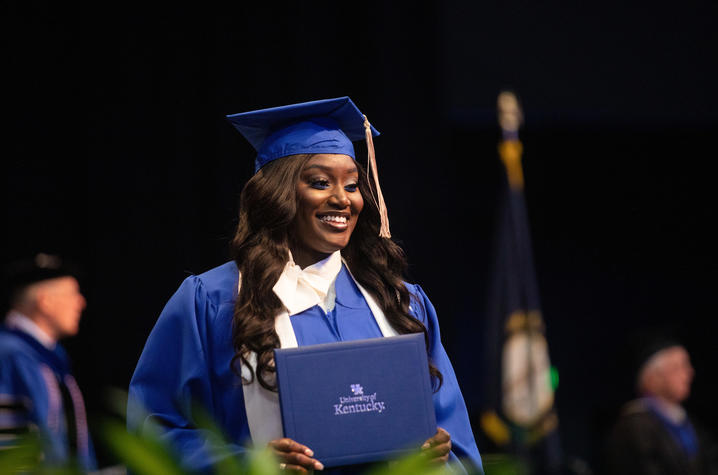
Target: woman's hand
(438, 446)
(295, 456)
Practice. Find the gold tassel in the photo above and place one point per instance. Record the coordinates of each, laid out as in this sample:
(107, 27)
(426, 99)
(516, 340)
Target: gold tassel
(384, 229)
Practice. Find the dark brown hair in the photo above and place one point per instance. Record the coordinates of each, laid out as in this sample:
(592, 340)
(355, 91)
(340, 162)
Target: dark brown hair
(268, 205)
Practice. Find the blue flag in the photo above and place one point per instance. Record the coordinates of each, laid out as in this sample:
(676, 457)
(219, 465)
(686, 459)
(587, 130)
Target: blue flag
(518, 415)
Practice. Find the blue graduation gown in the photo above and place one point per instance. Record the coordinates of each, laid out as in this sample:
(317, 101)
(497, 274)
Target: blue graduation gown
(32, 380)
(187, 358)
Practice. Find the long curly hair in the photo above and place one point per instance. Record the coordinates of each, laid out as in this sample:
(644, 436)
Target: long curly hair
(268, 205)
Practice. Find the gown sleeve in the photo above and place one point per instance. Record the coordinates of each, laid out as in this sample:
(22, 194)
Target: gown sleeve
(173, 376)
(449, 406)
(20, 385)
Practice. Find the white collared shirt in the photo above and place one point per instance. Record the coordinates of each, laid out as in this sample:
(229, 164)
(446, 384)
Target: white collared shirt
(671, 411)
(17, 321)
(300, 289)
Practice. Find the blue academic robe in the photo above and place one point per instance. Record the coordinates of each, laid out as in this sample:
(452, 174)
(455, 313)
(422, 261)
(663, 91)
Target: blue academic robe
(37, 384)
(187, 358)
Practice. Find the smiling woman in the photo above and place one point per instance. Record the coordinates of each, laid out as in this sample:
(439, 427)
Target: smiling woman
(329, 204)
(312, 263)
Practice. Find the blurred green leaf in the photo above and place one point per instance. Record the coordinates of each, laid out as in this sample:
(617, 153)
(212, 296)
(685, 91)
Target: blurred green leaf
(263, 462)
(23, 456)
(226, 460)
(503, 464)
(60, 470)
(417, 463)
(143, 454)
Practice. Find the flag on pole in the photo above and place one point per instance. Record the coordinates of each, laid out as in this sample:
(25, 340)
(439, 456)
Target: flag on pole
(518, 413)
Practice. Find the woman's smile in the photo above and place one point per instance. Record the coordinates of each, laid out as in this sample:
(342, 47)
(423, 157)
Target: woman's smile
(328, 206)
(335, 221)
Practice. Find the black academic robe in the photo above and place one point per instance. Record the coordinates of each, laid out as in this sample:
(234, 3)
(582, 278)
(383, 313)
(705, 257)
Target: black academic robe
(641, 444)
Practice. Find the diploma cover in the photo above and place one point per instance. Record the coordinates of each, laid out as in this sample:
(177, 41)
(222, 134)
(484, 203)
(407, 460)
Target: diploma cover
(357, 401)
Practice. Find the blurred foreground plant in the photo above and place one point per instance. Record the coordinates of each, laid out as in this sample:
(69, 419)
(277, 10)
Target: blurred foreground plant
(503, 464)
(147, 453)
(418, 463)
(24, 454)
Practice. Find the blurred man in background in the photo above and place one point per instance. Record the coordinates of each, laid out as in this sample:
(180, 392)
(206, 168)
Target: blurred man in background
(38, 394)
(654, 435)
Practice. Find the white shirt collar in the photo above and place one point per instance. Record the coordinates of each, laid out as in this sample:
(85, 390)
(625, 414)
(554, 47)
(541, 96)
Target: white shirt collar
(671, 411)
(17, 321)
(300, 289)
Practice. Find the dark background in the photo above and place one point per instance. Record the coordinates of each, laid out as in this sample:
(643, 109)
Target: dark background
(116, 153)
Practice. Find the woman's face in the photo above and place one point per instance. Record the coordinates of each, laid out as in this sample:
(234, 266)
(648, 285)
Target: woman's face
(328, 206)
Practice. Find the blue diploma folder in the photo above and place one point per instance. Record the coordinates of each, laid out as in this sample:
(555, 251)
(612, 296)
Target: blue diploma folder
(357, 401)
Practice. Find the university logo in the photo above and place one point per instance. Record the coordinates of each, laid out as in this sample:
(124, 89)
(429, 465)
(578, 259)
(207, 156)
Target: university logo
(358, 402)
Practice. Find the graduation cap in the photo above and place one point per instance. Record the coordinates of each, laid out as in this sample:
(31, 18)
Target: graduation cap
(24, 272)
(645, 344)
(324, 126)
(651, 346)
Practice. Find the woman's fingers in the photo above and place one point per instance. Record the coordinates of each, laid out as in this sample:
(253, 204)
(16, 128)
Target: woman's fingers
(289, 468)
(438, 446)
(288, 445)
(295, 456)
(440, 453)
(440, 437)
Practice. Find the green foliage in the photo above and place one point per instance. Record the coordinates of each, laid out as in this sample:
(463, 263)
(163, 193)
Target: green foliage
(25, 456)
(22, 456)
(144, 454)
(226, 463)
(262, 462)
(418, 463)
(147, 453)
(502, 464)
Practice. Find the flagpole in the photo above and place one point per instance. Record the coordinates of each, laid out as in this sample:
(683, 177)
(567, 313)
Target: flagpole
(527, 392)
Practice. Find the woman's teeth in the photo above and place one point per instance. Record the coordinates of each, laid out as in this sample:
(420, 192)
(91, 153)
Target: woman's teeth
(334, 219)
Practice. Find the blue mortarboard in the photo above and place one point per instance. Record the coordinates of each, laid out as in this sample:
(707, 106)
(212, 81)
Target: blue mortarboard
(326, 126)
